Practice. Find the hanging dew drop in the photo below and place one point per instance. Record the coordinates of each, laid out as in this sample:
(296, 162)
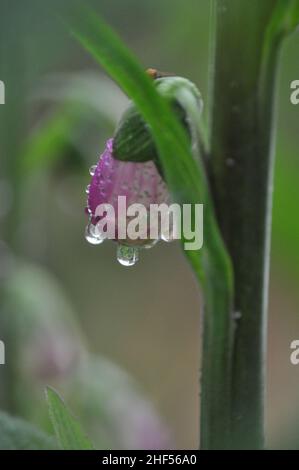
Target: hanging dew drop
(92, 170)
(150, 244)
(167, 235)
(169, 232)
(127, 255)
(92, 235)
(237, 315)
(168, 228)
(87, 189)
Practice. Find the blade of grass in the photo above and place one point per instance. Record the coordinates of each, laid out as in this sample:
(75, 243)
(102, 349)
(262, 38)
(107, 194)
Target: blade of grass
(67, 429)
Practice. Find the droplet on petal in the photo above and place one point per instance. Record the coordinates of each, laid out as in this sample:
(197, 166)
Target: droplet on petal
(166, 237)
(150, 244)
(92, 235)
(92, 170)
(127, 255)
(168, 233)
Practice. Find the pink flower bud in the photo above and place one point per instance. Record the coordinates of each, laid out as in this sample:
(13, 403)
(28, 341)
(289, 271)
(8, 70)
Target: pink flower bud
(139, 182)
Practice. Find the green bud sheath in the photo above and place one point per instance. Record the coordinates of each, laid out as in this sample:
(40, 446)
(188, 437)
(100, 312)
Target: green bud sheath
(133, 140)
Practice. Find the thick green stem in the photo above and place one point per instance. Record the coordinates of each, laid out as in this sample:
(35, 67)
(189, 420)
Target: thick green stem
(241, 175)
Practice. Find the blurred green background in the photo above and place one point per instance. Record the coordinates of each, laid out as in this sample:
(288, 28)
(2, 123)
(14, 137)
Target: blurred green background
(61, 297)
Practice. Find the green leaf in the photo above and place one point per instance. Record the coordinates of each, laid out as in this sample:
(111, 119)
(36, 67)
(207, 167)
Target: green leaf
(285, 227)
(67, 429)
(16, 434)
(286, 14)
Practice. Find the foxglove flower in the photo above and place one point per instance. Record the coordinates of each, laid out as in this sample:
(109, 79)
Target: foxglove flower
(139, 182)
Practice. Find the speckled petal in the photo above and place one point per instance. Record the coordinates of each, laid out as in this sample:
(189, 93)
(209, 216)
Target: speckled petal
(139, 182)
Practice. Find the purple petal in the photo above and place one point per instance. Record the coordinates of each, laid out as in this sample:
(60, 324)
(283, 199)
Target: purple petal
(139, 182)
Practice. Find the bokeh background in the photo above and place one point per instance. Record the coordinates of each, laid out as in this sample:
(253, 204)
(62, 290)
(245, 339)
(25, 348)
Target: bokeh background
(122, 345)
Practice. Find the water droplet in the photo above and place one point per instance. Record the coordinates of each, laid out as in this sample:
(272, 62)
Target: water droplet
(230, 162)
(237, 315)
(168, 233)
(87, 189)
(127, 255)
(92, 170)
(92, 235)
(150, 244)
(166, 237)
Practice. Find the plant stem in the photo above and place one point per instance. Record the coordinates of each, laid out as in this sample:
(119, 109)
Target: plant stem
(241, 178)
